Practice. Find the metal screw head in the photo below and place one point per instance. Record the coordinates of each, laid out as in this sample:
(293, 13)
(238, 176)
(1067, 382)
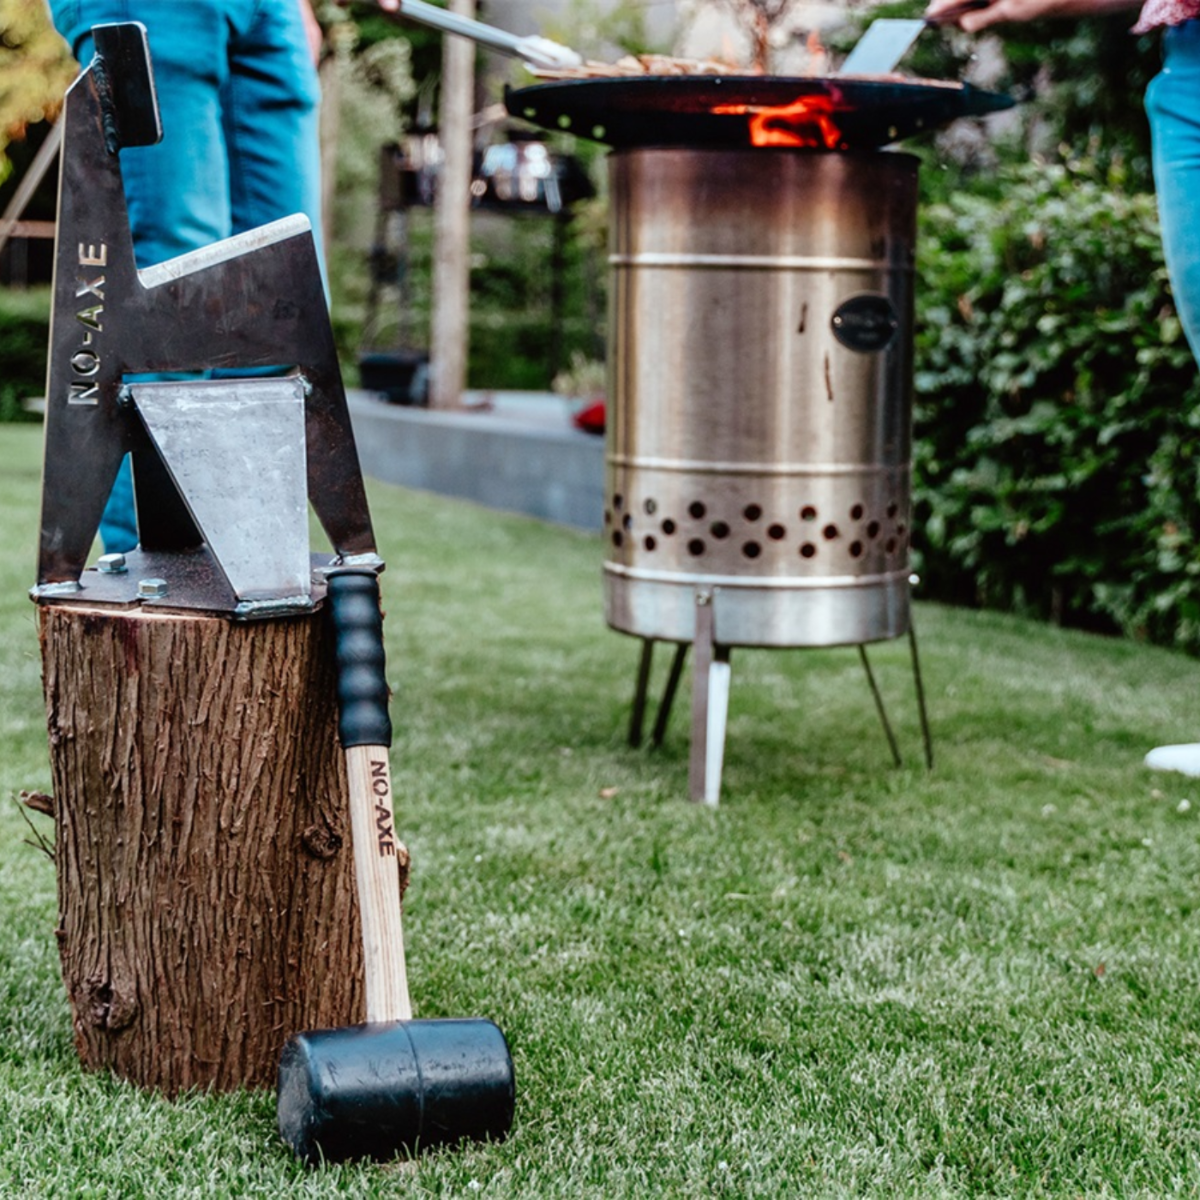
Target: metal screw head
(111, 564)
(152, 589)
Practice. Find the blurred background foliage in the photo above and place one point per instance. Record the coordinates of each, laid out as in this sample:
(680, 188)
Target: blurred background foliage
(35, 69)
(1057, 406)
(1056, 467)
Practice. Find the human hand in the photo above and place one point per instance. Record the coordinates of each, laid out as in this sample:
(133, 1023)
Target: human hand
(1002, 11)
(970, 19)
(312, 31)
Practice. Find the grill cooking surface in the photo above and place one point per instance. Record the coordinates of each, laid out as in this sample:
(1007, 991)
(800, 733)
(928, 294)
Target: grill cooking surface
(741, 110)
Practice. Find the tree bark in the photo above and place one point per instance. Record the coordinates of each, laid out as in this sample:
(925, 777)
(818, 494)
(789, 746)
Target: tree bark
(205, 876)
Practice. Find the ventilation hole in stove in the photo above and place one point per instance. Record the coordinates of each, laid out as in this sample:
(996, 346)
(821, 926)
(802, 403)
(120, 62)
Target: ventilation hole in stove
(893, 509)
(808, 513)
(829, 532)
(856, 513)
(776, 533)
(618, 537)
(696, 547)
(807, 550)
(696, 509)
(890, 545)
(651, 507)
(719, 529)
(873, 529)
(626, 522)
(668, 527)
(607, 517)
(618, 500)
(856, 549)
(649, 542)
(752, 512)
(751, 549)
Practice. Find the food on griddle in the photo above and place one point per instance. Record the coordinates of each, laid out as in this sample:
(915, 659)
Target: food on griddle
(635, 65)
(644, 64)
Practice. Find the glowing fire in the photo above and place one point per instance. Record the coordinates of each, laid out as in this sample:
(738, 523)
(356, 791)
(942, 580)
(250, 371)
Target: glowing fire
(806, 122)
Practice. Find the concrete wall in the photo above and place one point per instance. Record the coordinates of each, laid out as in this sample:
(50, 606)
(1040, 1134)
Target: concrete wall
(537, 466)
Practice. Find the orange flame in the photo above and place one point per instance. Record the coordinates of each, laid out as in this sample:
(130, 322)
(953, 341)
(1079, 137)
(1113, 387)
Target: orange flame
(807, 122)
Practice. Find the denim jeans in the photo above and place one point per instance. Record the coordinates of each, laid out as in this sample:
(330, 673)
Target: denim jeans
(238, 95)
(1173, 106)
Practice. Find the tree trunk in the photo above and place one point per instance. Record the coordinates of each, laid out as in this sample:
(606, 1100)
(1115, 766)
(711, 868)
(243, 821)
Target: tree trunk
(330, 74)
(205, 875)
(450, 330)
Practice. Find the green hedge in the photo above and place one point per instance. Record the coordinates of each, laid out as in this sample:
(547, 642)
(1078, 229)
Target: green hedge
(24, 331)
(1057, 408)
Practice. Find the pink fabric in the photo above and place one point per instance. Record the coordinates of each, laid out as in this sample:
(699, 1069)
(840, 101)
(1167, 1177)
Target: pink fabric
(1156, 13)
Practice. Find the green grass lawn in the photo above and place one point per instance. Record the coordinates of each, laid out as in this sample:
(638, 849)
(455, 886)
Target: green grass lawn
(850, 979)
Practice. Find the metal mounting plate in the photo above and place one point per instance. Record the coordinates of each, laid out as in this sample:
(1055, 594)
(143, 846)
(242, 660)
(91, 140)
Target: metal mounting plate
(235, 451)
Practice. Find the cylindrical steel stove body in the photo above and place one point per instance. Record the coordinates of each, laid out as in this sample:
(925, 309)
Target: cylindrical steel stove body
(760, 396)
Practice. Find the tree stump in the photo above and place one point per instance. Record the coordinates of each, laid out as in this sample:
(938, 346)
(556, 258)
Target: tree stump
(205, 876)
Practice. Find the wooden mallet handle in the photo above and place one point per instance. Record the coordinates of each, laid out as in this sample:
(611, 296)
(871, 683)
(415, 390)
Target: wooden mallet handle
(365, 731)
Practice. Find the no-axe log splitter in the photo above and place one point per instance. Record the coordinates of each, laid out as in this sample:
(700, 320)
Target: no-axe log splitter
(221, 456)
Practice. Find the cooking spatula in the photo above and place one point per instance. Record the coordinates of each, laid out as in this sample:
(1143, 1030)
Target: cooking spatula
(887, 40)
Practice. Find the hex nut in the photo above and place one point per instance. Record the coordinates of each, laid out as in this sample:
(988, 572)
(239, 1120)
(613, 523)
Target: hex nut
(152, 589)
(111, 564)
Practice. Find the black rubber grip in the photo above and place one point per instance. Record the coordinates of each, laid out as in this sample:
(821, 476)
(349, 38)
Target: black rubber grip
(362, 689)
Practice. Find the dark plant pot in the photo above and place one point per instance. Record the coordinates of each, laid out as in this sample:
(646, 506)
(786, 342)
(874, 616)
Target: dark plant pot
(401, 376)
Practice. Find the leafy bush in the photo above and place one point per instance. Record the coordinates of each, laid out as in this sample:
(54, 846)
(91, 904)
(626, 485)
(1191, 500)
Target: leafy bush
(35, 67)
(24, 336)
(1057, 471)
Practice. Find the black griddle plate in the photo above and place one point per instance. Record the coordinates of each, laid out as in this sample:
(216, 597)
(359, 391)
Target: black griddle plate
(655, 110)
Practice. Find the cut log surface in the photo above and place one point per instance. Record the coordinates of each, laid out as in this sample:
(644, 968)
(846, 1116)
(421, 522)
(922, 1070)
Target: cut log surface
(205, 877)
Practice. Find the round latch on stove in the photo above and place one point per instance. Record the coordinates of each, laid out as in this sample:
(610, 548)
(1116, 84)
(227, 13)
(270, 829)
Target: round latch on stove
(865, 323)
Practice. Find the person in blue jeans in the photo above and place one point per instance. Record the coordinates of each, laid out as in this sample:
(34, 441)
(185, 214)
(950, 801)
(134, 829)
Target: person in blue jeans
(238, 95)
(1173, 107)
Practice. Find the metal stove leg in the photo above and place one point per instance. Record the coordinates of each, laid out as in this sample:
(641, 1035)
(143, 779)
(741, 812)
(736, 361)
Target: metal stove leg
(639, 693)
(710, 708)
(916, 662)
(668, 697)
(879, 708)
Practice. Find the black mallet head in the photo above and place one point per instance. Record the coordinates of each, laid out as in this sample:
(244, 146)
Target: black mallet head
(373, 1091)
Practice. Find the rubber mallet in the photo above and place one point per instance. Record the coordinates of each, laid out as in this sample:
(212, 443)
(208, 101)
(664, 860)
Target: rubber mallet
(394, 1084)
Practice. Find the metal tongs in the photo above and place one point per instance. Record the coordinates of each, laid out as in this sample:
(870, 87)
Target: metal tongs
(535, 51)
